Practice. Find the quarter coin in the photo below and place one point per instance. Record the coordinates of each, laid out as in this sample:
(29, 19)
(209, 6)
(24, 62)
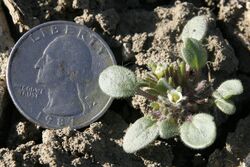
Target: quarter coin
(52, 75)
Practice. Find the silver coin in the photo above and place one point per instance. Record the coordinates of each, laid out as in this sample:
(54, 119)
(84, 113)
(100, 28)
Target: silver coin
(52, 75)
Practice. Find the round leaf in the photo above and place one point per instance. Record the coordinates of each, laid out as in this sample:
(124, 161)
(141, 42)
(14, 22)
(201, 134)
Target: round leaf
(117, 81)
(140, 134)
(168, 128)
(194, 54)
(230, 88)
(198, 132)
(195, 28)
(225, 106)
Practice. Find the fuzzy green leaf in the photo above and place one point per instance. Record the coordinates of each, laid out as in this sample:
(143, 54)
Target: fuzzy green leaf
(195, 28)
(162, 85)
(160, 70)
(229, 88)
(140, 134)
(117, 81)
(171, 82)
(182, 70)
(150, 82)
(225, 106)
(199, 131)
(168, 128)
(194, 54)
(181, 73)
(152, 91)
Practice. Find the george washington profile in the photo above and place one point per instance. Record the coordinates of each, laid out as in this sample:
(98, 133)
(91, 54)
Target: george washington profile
(65, 69)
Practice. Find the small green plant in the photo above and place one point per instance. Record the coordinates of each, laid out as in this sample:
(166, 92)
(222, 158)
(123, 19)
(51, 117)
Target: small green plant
(181, 99)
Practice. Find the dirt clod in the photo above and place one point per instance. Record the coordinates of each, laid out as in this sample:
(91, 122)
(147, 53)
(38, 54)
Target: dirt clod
(108, 20)
(235, 22)
(138, 32)
(100, 144)
(236, 149)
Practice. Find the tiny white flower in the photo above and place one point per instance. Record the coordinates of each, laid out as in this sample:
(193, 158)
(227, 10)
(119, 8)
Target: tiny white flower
(175, 96)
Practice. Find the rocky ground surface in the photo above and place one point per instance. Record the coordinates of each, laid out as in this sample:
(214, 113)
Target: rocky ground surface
(138, 31)
(233, 153)
(98, 145)
(234, 18)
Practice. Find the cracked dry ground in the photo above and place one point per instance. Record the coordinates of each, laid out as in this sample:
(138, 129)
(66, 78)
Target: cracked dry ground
(137, 31)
